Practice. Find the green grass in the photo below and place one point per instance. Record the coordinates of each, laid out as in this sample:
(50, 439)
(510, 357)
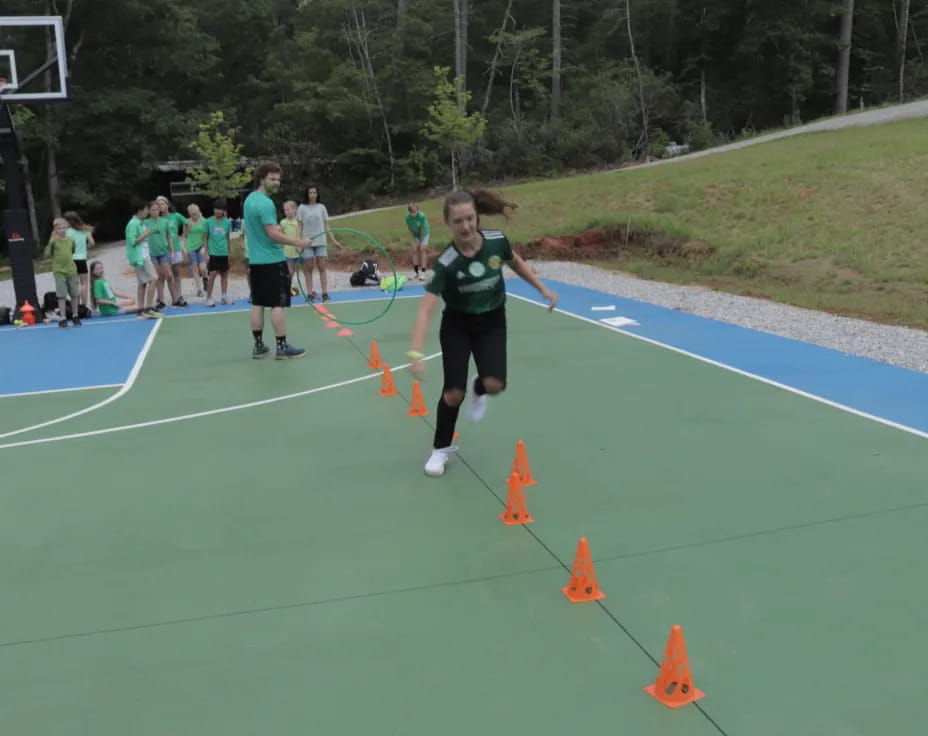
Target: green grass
(833, 221)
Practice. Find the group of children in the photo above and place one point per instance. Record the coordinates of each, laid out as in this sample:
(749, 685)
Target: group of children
(158, 237)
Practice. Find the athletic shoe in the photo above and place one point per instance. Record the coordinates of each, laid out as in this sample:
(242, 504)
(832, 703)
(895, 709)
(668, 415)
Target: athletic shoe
(260, 351)
(435, 465)
(478, 404)
(288, 351)
(76, 321)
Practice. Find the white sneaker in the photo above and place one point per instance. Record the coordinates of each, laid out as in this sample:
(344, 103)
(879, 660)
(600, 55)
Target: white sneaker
(478, 404)
(435, 465)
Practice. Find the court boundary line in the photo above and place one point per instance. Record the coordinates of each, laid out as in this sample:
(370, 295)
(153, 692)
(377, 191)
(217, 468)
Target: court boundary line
(740, 371)
(126, 387)
(60, 390)
(121, 320)
(199, 414)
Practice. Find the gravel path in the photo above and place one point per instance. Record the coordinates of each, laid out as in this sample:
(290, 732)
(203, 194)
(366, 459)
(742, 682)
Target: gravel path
(896, 345)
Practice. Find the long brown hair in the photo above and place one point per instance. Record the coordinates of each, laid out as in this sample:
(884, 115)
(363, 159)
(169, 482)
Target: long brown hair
(484, 201)
(93, 280)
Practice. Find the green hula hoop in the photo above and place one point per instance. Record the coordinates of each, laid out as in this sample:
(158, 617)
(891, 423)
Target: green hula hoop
(371, 239)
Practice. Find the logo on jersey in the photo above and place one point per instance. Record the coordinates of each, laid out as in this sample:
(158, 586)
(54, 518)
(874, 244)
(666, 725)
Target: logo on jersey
(494, 262)
(476, 269)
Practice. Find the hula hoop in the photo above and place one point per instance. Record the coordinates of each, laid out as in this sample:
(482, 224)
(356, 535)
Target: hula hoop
(373, 240)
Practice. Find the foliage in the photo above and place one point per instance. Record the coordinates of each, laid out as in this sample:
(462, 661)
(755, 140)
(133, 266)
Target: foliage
(449, 125)
(219, 171)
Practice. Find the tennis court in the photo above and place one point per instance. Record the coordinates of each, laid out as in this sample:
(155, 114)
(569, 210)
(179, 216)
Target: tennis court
(217, 545)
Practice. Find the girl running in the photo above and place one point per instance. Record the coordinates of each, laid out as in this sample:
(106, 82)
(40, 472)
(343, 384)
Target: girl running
(469, 279)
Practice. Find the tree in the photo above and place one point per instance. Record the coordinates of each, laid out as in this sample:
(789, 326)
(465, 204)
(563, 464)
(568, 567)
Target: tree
(219, 171)
(449, 125)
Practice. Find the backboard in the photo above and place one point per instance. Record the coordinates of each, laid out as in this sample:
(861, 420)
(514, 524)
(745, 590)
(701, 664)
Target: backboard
(33, 59)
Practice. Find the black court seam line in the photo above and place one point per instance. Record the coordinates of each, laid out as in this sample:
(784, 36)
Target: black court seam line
(273, 609)
(764, 532)
(551, 552)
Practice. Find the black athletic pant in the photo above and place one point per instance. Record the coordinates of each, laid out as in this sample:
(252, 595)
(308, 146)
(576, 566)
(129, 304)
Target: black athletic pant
(463, 335)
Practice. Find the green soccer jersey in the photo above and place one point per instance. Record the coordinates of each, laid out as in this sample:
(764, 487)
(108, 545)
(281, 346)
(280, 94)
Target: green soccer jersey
(61, 251)
(417, 222)
(158, 240)
(260, 210)
(474, 285)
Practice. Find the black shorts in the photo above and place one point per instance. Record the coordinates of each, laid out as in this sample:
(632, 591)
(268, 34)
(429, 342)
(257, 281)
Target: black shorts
(480, 335)
(81, 265)
(219, 264)
(270, 284)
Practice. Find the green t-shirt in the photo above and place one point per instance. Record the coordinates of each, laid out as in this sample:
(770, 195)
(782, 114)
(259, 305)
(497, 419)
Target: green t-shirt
(80, 243)
(135, 252)
(196, 232)
(290, 228)
(158, 240)
(218, 244)
(62, 253)
(474, 285)
(176, 222)
(260, 211)
(413, 222)
(102, 290)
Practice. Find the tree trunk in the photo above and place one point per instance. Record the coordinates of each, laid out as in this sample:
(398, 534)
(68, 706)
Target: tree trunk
(402, 9)
(495, 61)
(644, 107)
(460, 46)
(555, 60)
(702, 95)
(844, 56)
(902, 35)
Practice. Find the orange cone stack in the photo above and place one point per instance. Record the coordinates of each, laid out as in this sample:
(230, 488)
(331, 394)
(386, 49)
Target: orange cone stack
(387, 386)
(583, 586)
(417, 405)
(520, 465)
(516, 512)
(674, 684)
(374, 360)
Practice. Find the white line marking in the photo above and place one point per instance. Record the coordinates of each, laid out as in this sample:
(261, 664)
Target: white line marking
(610, 308)
(747, 374)
(60, 390)
(126, 387)
(210, 412)
(619, 322)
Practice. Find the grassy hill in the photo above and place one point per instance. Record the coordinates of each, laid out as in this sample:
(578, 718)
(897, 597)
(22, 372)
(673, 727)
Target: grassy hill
(833, 221)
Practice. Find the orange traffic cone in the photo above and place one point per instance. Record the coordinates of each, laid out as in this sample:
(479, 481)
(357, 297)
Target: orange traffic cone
(516, 512)
(374, 360)
(520, 465)
(583, 586)
(331, 324)
(387, 387)
(417, 405)
(28, 313)
(674, 684)
(344, 332)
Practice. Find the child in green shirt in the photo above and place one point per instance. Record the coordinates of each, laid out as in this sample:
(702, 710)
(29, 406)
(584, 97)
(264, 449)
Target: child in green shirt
(418, 224)
(102, 295)
(61, 250)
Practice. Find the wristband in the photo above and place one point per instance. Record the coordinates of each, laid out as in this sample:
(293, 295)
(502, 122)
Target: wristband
(415, 355)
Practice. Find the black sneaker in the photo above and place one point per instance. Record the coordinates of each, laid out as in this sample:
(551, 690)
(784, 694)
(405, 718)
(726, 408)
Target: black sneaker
(325, 297)
(288, 351)
(62, 323)
(76, 321)
(260, 351)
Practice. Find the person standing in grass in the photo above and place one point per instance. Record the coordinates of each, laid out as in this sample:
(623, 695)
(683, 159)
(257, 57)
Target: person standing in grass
(418, 225)
(270, 277)
(469, 279)
(60, 249)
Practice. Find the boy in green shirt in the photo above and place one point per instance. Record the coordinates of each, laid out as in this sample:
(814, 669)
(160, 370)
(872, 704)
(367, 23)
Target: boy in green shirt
(61, 249)
(418, 224)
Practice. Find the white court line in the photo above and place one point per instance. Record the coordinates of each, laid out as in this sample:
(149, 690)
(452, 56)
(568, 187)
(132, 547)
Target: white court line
(747, 374)
(236, 310)
(126, 387)
(60, 390)
(210, 412)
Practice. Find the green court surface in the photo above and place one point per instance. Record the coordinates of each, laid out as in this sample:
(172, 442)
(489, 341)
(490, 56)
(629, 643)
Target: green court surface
(287, 567)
